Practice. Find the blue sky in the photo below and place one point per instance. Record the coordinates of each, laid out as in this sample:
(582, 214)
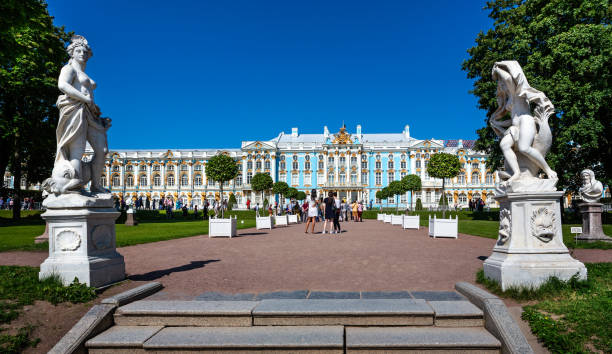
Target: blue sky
(209, 74)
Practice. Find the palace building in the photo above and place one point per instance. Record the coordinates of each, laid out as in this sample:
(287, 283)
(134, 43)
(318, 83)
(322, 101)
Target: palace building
(354, 164)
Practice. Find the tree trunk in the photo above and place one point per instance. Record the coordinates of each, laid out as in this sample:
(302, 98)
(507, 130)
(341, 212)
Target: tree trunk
(17, 180)
(221, 198)
(443, 201)
(396, 204)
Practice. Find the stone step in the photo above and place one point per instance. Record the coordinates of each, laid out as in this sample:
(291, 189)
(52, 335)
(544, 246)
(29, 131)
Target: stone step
(186, 313)
(121, 339)
(308, 339)
(420, 339)
(349, 312)
(457, 314)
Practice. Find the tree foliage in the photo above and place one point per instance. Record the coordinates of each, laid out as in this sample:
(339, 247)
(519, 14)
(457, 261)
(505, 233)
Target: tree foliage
(565, 50)
(291, 193)
(261, 182)
(301, 195)
(231, 201)
(396, 188)
(412, 183)
(280, 188)
(31, 56)
(221, 168)
(443, 165)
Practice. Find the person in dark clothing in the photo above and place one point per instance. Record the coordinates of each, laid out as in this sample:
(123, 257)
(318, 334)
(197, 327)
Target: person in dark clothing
(185, 210)
(330, 213)
(337, 214)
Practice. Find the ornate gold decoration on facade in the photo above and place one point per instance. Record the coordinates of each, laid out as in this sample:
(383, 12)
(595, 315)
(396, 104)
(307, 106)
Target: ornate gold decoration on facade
(168, 154)
(342, 137)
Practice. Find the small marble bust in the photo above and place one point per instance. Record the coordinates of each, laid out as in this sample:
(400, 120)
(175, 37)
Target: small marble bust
(591, 189)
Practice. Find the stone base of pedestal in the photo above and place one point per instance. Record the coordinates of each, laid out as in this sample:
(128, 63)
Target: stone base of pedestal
(530, 246)
(131, 220)
(592, 230)
(531, 270)
(82, 241)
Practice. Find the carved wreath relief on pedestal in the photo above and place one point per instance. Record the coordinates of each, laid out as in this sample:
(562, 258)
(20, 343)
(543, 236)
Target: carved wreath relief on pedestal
(543, 224)
(68, 240)
(505, 225)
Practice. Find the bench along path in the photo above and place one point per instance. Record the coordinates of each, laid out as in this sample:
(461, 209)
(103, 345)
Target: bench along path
(300, 325)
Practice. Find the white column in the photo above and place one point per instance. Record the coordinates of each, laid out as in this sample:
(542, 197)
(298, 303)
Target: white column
(273, 160)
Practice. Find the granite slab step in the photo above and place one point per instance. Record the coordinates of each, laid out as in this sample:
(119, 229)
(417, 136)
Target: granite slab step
(186, 313)
(353, 312)
(121, 339)
(309, 339)
(457, 314)
(417, 339)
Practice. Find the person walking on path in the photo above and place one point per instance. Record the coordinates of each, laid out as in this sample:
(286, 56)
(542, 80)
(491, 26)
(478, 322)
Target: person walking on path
(330, 213)
(354, 207)
(360, 211)
(313, 211)
(337, 212)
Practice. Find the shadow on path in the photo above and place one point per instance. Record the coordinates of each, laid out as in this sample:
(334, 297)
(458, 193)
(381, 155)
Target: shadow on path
(251, 234)
(160, 273)
(482, 258)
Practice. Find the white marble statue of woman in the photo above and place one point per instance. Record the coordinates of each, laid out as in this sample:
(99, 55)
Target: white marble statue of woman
(79, 123)
(591, 189)
(525, 137)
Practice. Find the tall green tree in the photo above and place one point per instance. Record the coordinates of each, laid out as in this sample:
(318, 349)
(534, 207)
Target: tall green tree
(380, 195)
(396, 188)
(411, 183)
(301, 196)
(221, 168)
(280, 188)
(443, 165)
(386, 193)
(31, 56)
(261, 182)
(565, 50)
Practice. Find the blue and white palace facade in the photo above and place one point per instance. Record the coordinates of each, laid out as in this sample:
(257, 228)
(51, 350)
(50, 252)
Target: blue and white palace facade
(354, 164)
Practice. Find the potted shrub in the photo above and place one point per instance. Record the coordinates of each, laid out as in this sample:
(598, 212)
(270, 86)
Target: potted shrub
(443, 165)
(221, 168)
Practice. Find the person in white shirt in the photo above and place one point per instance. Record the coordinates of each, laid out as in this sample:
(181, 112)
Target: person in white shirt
(313, 210)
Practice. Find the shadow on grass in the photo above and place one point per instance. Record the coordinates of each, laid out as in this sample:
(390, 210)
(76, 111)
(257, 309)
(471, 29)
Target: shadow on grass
(156, 274)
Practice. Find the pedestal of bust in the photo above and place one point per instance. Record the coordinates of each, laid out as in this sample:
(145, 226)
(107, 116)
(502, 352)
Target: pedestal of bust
(591, 223)
(130, 219)
(530, 246)
(82, 240)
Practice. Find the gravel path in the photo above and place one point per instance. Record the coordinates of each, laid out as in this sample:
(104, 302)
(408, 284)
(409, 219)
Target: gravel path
(368, 256)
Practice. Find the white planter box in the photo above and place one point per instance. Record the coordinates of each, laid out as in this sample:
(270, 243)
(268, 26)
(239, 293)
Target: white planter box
(292, 219)
(222, 227)
(263, 222)
(387, 218)
(281, 220)
(411, 222)
(397, 219)
(380, 217)
(443, 227)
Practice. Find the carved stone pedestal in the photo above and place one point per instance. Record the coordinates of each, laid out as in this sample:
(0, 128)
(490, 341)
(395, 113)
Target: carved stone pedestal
(130, 218)
(82, 240)
(530, 246)
(591, 223)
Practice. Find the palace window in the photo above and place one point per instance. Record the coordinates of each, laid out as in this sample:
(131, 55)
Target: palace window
(143, 180)
(476, 196)
(353, 177)
(427, 197)
(403, 164)
(474, 165)
(258, 157)
(402, 175)
(156, 168)
(307, 165)
(489, 178)
(353, 160)
(267, 156)
(226, 184)
(425, 163)
(170, 180)
(321, 164)
(238, 181)
(449, 199)
(115, 181)
(390, 164)
(267, 164)
(184, 167)
(282, 177)
(211, 183)
(403, 198)
(331, 178)
(378, 178)
(391, 177)
(197, 168)
(378, 165)
(377, 200)
(295, 179)
(143, 167)
(342, 160)
(418, 156)
(157, 180)
(426, 175)
(184, 180)
(461, 178)
(115, 168)
(282, 158)
(342, 178)
(418, 164)
(295, 165)
(462, 199)
(103, 181)
(307, 179)
(249, 177)
(330, 160)
(249, 156)
(282, 165)
(295, 158)
(258, 165)
(170, 168)
(320, 178)
(364, 177)
(129, 181)
(426, 156)
(129, 168)
(364, 164)
(197, 180)
(475, 177)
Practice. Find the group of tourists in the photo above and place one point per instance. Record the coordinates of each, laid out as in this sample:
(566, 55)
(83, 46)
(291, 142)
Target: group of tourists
(332, 210)
(27, 203)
